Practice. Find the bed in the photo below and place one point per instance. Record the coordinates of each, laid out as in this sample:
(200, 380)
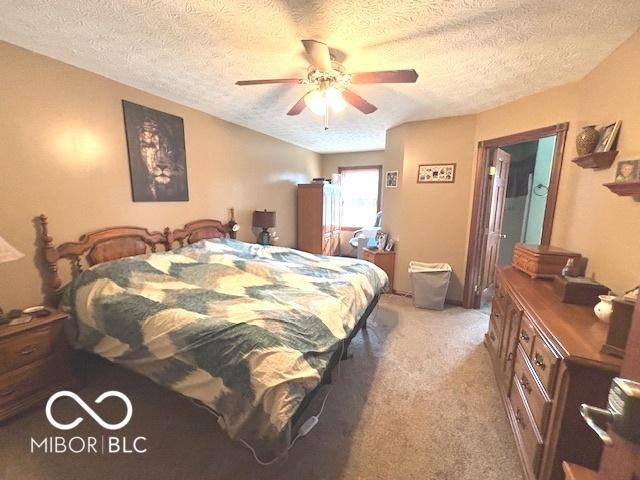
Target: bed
(249, 331)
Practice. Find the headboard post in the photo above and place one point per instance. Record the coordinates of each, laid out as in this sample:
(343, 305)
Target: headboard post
(51, 255)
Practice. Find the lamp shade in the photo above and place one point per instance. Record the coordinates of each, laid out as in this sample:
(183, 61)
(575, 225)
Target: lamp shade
(8, 253)
(264, 219)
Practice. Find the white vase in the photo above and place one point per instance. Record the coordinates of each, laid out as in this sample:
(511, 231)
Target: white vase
(604, 308)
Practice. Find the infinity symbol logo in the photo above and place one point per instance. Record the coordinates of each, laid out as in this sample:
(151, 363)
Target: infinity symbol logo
(89, 410)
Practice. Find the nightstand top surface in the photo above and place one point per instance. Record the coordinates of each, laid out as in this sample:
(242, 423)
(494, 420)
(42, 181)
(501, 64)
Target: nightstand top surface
(54, 315)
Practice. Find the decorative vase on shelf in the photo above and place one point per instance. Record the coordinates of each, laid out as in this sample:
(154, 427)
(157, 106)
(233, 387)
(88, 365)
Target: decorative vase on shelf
(604, 308)
(587, 140)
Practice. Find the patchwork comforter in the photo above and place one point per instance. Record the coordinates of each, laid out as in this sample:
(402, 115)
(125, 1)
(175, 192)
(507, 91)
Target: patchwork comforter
(247, 330)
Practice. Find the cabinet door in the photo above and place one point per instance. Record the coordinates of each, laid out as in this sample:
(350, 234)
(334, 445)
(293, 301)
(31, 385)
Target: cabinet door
(510, 343)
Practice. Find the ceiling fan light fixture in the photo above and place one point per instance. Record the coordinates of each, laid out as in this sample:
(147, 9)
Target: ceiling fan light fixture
(335, 99)
(316, 101)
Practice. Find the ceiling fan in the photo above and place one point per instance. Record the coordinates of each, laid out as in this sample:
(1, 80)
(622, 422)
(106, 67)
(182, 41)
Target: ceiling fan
(330, 83)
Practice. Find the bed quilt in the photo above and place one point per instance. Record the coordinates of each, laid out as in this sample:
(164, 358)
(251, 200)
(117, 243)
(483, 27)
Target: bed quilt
(245, 329)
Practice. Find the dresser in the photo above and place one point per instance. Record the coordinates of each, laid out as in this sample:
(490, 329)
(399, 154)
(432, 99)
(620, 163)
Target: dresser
(385, 260)
(35, 362)
(547, 361)
(319, 217)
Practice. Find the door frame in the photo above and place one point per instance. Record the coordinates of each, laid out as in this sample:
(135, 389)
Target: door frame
(482, 197)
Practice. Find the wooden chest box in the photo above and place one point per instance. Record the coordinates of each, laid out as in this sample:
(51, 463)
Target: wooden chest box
(578, 290)
(541, 261)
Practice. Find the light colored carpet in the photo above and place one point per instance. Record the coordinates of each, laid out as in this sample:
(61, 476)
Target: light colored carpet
(417, 401)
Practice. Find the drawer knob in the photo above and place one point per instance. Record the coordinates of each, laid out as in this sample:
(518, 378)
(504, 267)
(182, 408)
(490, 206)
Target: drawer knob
(492, 336)
(539, 361)
(510, 357)
(524, 336)
(6, 393)
(524, 383)
(28, 350)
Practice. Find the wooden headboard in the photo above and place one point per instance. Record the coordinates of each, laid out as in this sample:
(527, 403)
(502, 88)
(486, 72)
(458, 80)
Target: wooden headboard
(97, 247)
(118, 242)
(202, 230)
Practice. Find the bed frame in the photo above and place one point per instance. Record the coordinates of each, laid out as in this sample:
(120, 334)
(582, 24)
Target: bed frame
(113, 243)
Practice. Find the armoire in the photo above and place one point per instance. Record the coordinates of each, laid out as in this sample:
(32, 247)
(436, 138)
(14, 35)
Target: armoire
(319, 215)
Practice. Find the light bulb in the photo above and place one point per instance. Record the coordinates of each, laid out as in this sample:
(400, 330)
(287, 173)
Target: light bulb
(316, 101)
(335, 99)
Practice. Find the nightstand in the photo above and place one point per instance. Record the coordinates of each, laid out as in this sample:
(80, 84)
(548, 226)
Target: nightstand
(385, 260)
(35, 362)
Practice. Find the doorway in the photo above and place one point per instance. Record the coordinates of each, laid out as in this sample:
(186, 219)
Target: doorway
(515, 195)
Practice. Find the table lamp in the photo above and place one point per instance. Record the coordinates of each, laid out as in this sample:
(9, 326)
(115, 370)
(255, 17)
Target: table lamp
(265, 220)
(7, 254)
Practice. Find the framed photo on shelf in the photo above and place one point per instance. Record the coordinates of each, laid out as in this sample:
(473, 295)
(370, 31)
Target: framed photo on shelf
(608, 135)
(391, 179)
(628, 171)
(437, 173)
(389, 246)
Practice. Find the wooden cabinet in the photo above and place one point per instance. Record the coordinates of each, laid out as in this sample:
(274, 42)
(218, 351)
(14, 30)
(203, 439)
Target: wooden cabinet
(319, 218)
(547, 361)
(385, 260)
(35, 362)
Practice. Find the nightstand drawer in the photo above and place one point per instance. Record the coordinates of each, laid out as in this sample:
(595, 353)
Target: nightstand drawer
(24, 381)
(29, 347)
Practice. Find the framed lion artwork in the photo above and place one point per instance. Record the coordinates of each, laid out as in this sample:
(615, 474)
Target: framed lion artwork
(157, 157)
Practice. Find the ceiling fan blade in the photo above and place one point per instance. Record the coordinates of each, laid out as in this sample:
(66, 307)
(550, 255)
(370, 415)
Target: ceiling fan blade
(298, 107)
(273, 80)
(319, 53)
(388, 76)
(358, 102)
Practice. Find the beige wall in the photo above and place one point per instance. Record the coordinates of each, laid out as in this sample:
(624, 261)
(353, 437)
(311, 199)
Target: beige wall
(430, 222)
(330, 162)
(64, 154)
(589, 218)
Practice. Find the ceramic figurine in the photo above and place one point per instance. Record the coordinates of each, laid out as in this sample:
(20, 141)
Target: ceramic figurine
(604, 309)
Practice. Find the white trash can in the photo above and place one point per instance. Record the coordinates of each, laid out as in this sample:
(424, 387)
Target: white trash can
(429, 284)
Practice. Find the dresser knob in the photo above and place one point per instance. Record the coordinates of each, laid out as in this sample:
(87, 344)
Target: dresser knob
(524, 383)
(524, 336)
(539, 361)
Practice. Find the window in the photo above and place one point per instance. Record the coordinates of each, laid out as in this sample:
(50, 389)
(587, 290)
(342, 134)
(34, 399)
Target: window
(360, 195)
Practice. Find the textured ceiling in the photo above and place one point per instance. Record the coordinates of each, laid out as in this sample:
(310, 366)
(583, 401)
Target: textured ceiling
(470, 54)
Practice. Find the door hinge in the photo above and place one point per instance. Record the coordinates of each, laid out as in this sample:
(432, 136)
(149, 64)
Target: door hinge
(476, 289)
(492, 171)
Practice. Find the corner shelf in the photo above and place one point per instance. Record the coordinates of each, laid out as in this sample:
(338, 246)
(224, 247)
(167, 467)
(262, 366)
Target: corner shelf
(596, 160)
(626, 189)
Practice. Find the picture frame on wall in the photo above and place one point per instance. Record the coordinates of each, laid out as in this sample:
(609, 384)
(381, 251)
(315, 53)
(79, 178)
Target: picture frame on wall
(391, 179)
(608, 135)
(437, 173)
(627, 171)
(157, 157)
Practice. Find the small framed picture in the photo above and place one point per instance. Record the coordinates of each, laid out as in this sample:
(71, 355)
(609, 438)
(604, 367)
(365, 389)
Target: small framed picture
(608, 136)
(628, 171)
(389, 246)
(437, 173)
(391, 179)
(381, 240)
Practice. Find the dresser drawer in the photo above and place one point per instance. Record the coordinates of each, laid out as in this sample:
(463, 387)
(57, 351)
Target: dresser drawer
(544, 363)
(500, 297)
(526, 335)
(529, 436)
(23, 349)
(24, 381)
(535, 397)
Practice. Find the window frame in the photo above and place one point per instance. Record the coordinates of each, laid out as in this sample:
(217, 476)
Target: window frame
(379, 201)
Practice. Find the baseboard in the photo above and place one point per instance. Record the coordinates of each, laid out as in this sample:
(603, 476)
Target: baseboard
(448, 301)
